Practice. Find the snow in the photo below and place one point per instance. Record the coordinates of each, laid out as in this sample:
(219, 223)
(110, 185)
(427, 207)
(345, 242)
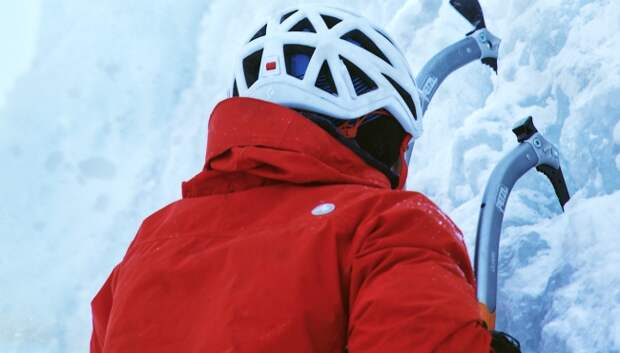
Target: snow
(101, 124)
(18, 30)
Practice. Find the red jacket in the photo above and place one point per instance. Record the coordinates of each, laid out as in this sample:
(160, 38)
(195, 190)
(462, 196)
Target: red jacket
(288, 242)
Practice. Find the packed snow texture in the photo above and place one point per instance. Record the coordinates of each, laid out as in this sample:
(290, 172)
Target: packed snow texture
(112, 116)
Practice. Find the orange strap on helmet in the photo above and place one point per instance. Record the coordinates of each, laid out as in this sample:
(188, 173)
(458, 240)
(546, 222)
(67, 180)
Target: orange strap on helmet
(349, 128)
(404, 167)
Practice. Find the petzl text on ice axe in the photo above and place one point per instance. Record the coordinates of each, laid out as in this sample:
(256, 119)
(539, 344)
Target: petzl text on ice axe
(533, 151)
(479, 44)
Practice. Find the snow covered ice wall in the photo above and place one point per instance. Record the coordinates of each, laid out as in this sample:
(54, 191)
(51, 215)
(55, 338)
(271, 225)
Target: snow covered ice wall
(112, 115)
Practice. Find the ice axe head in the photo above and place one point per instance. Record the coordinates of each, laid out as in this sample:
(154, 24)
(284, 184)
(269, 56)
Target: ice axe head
(548, 157)
(489, 44)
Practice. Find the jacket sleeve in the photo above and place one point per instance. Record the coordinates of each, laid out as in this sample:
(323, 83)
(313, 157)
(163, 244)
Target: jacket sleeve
(101, 308)
(412, 286)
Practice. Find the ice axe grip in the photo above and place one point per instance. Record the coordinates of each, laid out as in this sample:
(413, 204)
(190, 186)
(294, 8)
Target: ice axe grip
(556, 177)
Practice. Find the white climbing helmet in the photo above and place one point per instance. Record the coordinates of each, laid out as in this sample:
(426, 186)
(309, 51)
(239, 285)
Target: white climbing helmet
(329, 61)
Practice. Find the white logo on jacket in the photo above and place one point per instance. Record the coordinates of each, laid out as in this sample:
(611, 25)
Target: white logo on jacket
(323, 209)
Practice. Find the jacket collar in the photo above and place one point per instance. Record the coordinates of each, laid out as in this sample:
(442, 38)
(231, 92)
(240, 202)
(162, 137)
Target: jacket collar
(254, 143)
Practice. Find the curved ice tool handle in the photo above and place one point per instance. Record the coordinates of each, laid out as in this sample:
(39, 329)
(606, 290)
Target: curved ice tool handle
(533, 151)
(479, 44)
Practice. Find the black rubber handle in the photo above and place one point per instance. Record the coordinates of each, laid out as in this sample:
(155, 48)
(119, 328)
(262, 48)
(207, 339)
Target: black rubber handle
(556, 177)
(471, 10)
(492, 63)
(525, 129)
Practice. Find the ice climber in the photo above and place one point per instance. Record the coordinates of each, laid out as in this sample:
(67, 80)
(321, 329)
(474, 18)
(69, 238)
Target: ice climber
(297, 235)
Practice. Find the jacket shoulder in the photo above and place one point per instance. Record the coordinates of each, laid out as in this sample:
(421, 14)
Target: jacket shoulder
(409, 207)
(154, 225)
(410, 219)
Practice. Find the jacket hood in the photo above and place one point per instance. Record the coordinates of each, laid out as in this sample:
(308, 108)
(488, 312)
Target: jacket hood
(254, 143)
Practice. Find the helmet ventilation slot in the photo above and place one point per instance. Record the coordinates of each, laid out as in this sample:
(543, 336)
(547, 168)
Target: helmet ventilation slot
(303, 26)
(330, 21)
(261, 33)
(297, 58)
(325, 80)
(235, 91)
(287, 15)
(361, 82)
(358, 38)
(251, 67)
(404, 95)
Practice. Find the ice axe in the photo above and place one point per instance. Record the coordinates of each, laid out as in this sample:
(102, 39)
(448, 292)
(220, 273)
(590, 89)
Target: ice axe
(533, 151)
(479, 44)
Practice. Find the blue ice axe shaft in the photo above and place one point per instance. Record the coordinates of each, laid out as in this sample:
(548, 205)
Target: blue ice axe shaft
(533, 151)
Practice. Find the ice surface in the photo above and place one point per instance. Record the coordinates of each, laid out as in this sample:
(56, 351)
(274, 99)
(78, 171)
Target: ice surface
(112, 116)
(18, 29)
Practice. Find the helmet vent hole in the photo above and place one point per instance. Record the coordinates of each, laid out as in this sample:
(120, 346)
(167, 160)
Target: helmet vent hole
(297, 58)
(261, 33)
(358, 38)
(361, 82)
(287, 15)
(325, 80)
(404, 95)
(330, 21)
(251, 67)
(235, 91)
(303, 26)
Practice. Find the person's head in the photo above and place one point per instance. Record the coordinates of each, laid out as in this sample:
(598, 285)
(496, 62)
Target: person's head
(342, 72)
